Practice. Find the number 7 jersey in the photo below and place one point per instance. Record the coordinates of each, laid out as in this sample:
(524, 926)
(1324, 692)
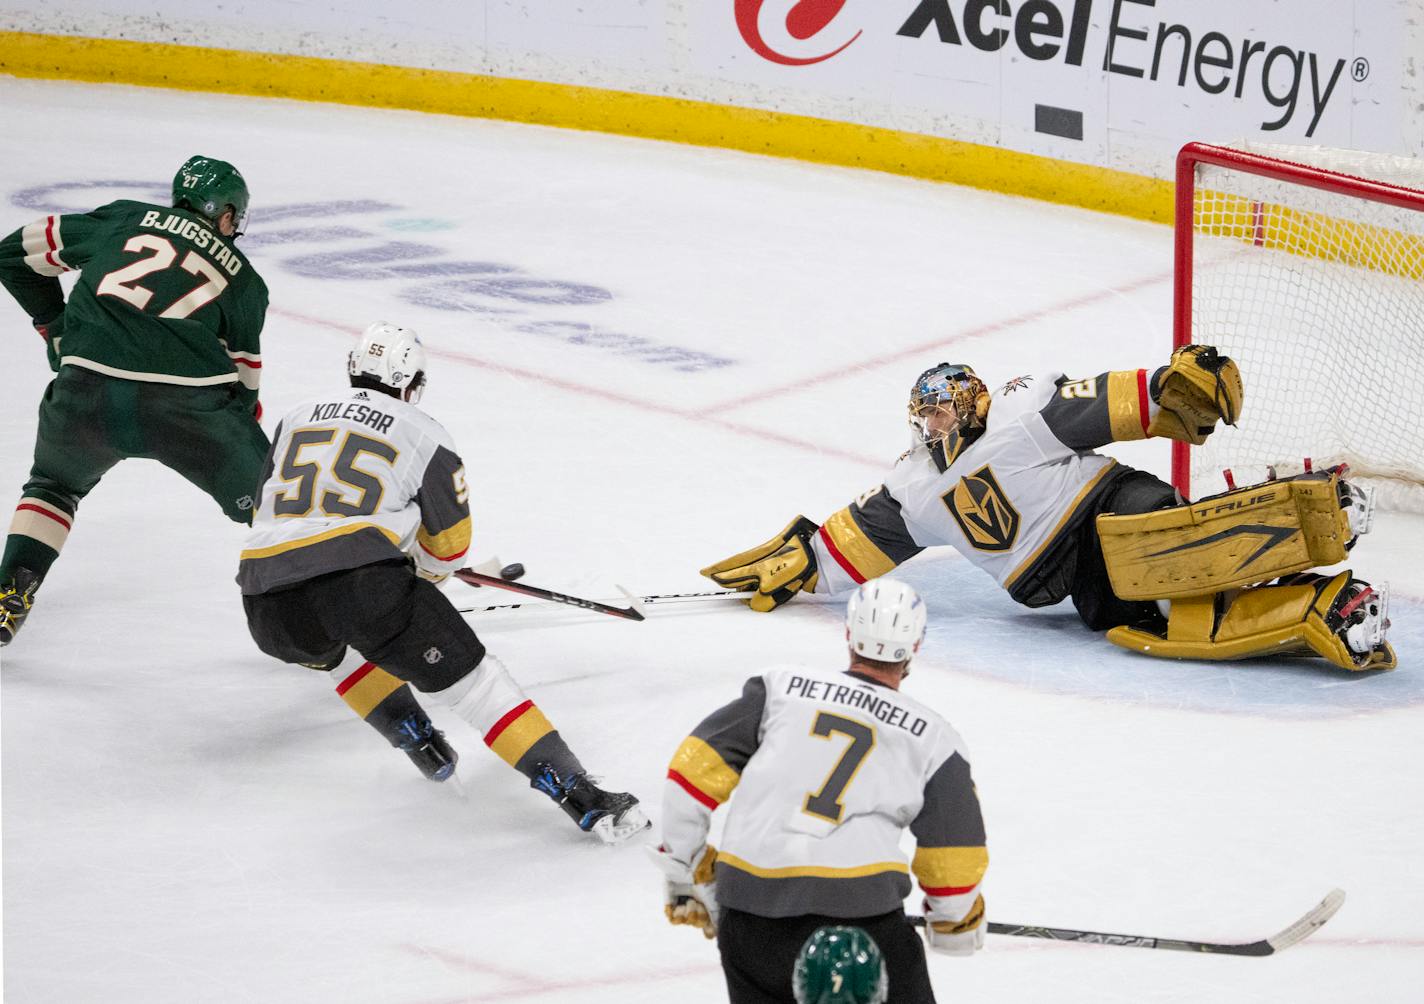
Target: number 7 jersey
(351, 480)
(829, 769)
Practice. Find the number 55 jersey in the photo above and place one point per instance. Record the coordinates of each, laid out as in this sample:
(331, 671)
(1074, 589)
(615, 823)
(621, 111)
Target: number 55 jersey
(829, 769)
(352, 480)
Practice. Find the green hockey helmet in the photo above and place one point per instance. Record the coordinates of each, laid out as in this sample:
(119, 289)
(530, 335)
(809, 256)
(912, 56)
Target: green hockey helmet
(840, 965)
(208, 187)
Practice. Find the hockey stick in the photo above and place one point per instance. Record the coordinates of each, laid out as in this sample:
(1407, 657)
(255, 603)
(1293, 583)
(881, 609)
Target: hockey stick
(638, 601)
(473, 578)
(1296, 932)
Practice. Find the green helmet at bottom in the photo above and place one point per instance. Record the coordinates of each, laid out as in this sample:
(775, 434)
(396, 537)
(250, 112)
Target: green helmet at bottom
(208, 186)
(840, 965)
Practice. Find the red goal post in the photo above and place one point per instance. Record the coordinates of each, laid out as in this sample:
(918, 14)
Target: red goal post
(1306, 265)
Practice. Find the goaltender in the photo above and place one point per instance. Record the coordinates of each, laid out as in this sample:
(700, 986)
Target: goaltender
(1011, 480)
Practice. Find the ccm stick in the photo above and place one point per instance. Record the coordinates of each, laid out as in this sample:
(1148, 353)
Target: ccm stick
(473, 578)
(1295, 933)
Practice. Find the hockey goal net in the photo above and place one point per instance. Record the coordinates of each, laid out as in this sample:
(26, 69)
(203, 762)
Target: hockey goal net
(1306, 266)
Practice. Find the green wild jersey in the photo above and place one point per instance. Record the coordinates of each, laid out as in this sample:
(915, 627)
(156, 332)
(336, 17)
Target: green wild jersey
(161, 297)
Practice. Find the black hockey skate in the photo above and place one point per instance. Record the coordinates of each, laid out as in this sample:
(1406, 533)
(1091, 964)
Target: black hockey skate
(427, 748)
(16, 598)
(612, 816)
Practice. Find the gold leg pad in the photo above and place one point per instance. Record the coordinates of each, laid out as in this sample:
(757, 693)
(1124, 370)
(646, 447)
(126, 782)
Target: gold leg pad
(1284, 619)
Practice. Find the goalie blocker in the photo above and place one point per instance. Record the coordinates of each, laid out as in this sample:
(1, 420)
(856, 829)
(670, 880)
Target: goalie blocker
(1213, 559)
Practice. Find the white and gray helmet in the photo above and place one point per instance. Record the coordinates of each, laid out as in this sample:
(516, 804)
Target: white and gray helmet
(391, 356)
(885, 621)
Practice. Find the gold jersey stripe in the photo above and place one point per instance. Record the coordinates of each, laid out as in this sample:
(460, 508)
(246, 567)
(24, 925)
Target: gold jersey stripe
(813, 871)
(703, 768)
(292, 545)
(373, 688)
(1125, 407)
(447, 544)
(1068, 514)
(953, 867)
(519, 735)
(855, 546)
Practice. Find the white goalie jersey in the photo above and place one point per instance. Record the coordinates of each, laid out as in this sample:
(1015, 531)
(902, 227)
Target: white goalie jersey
(1003, 500)
(353, 479)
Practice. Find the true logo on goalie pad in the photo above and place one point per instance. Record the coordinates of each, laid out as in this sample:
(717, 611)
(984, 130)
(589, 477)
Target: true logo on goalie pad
(982, 510)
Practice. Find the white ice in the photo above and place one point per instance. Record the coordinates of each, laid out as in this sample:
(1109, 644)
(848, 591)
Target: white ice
(186, 820)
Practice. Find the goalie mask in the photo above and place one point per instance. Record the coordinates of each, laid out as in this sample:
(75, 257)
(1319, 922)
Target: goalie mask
(885, 621)
(948, 406)
(840, 965)
(389, 359)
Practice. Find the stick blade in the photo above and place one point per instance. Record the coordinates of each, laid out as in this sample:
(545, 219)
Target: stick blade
(1310, 923)
(636, 604)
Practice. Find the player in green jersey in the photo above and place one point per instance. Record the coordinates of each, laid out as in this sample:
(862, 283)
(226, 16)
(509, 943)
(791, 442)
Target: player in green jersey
(157, 354)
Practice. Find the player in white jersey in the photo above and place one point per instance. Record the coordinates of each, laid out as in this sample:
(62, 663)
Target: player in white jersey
(829, 769)
(362, 511)
(1012, 481)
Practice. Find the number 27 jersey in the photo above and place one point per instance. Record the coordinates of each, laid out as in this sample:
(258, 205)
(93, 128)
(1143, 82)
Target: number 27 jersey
(829, 770)
(352, 480)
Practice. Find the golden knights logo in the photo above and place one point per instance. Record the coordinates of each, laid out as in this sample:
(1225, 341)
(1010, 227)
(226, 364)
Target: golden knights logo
(982, 510)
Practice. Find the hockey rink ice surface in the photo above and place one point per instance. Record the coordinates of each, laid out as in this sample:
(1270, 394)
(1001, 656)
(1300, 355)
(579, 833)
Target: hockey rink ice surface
(652, 356)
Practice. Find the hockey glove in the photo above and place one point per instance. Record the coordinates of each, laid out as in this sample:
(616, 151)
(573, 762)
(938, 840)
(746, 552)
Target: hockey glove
(689, 895)
(956, 937)
(1198, 388)
(775, 570)
(51, 331)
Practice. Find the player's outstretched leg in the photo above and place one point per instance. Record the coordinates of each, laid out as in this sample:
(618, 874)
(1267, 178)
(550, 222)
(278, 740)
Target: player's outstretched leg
(388, 705)
(517, 731)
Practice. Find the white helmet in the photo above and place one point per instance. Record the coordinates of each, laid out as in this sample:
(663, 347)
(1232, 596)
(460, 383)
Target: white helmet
(885, 621)
(391, 356)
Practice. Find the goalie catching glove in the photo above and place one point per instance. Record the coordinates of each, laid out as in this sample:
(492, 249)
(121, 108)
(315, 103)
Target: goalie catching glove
(1198, 388)
(776, 570)
(956, 937)
(689, 895)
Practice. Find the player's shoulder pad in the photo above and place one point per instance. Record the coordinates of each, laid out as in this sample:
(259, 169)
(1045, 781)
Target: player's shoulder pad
(1024, 394)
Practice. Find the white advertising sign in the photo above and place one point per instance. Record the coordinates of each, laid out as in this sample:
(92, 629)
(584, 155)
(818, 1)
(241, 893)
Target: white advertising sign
(1116, 83)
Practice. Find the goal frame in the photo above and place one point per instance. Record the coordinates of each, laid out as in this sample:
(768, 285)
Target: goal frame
(1277, 169)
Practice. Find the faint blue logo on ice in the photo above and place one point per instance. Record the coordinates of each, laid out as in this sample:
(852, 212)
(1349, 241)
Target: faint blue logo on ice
(1050, 651)
(324, 246)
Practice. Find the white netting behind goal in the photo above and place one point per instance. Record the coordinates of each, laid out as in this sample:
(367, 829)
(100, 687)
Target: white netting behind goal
(1319, 296)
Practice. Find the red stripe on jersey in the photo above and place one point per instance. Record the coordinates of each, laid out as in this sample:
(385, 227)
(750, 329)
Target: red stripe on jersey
(355, 677)
(693, 790)
(53, 246)
(1143, 401)
(509, 719)
(45, 512)
(444, 557)
(257, 411)
(949, 890)
(841, 559)
(245, 362)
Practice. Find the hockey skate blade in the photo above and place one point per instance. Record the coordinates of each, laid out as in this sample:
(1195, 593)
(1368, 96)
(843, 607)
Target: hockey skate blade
(1310, 923)
(627, 826)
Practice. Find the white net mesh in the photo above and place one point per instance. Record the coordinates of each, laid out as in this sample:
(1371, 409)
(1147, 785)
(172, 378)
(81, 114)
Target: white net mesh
(1319, 296)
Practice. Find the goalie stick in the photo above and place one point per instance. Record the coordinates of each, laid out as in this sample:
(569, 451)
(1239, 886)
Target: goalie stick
(473, 578)
(1303, 928)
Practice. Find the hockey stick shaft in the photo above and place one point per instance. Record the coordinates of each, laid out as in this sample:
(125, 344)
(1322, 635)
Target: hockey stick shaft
(650, 600)
(1308, 924)
(474, 578)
